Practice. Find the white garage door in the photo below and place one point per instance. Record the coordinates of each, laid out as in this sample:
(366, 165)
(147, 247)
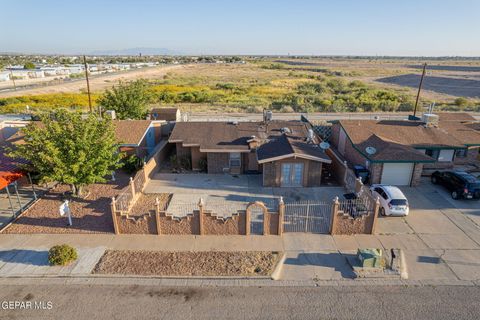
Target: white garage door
(397, 174)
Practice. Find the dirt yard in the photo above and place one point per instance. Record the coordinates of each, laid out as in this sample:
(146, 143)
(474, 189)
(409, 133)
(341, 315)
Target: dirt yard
(97, 83)
(90, 215)
(158, 263)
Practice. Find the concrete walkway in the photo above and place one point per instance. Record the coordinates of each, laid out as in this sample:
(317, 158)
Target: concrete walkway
(309, 257)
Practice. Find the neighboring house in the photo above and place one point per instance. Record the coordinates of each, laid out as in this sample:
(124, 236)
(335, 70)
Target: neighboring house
(167, 114)
(138, 137)
(285, 152)
(397, 152)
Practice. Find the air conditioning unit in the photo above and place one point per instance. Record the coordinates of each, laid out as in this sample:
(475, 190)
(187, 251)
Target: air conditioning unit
(430, 119)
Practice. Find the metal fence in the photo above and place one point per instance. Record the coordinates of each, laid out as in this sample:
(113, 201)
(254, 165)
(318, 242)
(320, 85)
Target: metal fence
(307, 216)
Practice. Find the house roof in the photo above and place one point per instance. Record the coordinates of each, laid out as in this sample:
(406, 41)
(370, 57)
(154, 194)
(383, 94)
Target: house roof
(131, 132)
(287, 146)
(230, 136)
(168, 114)
(397, 141)
(127, 132)
(462, 126)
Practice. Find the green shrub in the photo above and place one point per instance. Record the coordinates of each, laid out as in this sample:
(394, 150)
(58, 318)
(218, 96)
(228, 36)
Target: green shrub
(132, 163)
(203, 165)
(62, 255)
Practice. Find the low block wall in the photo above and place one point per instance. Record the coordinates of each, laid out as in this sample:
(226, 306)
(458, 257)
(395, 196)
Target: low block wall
(231, 226)
(185, 226)
(137, 225)
(348, 225)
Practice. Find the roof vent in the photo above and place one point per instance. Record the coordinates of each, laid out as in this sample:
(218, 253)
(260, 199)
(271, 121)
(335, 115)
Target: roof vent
(310, 136)
(370, 150)
(285, 130)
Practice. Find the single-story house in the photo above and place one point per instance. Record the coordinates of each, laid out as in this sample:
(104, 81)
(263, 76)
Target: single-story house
(286, 153)
(137, 137)
(166, 114)
(398, 152)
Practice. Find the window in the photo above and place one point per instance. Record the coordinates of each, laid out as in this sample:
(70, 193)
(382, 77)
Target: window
(432, 153)
(461, 153)
(235, 159)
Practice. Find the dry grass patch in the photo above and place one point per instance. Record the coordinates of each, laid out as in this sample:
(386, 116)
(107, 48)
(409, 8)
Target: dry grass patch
(148, 263)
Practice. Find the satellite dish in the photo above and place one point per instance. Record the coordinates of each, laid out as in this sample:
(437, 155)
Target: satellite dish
(324, 145)
(370, 150)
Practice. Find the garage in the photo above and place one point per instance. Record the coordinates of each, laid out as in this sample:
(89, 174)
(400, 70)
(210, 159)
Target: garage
(398, 174)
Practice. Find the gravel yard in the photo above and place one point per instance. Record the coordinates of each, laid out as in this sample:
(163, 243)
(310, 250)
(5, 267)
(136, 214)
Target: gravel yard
(148, 263)
(146, 203)
(89, 215)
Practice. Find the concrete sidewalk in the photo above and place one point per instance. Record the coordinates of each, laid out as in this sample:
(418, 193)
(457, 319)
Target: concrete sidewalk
(309, 257)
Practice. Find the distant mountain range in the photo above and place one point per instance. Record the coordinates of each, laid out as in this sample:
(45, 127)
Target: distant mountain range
(135, 51)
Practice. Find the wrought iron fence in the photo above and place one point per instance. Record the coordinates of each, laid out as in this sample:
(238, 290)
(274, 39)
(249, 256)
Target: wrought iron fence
(307, 216)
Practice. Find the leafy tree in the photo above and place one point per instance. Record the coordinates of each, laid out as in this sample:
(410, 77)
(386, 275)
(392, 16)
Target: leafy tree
(129, 99)
(29, 65)
(461, 102)
(69, 149)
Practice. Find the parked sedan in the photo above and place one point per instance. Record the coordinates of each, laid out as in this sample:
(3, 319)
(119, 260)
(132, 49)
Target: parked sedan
(459, 183)
(392, 200)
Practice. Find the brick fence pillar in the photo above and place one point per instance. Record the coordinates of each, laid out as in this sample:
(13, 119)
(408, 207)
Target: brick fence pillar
(200, 217)
(132, 187)
(247, 222)
(157, 216)
(375, 215)
(333, 220)
(113, 208)
(281, 214)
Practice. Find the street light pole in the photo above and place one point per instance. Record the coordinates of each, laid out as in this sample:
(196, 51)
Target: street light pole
(88, 84)
(419, 89)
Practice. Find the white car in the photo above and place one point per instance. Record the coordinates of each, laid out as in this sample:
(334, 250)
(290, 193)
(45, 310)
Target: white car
(392, 200)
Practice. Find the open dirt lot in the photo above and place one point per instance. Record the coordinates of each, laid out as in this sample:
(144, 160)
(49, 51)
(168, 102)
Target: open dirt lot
(258, 263)
(97, 83)
(89, 215)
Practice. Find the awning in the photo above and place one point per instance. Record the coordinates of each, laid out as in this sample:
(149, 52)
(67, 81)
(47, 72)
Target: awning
(7, 177)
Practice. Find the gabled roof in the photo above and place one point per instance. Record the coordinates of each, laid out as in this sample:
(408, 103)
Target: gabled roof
(409, 133)
(127, 132)
(462, 126)
(286, 146)
(131, 132)
(229, 136)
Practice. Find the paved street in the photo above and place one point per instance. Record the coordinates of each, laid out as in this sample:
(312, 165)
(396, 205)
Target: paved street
(153, 302)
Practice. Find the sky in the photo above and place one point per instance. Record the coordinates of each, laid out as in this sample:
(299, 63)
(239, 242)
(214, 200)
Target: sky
(295, 27)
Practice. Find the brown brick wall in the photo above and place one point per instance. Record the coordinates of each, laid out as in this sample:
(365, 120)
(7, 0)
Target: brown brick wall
(348, 226)
(217, 161)
(188, 225)
(314, 174)
(417, 174)
(233, 226)
(137, 225)
(472, 157)
(196, 156)
(376, 170)
(183, 151)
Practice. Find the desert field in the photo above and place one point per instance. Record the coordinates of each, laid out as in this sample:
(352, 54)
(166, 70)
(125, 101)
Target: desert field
(281, 84)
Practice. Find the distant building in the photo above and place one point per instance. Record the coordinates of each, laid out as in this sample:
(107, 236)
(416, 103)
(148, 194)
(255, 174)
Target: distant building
(5, 76)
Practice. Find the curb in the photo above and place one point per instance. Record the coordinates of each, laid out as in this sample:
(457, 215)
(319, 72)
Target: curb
(278, 268)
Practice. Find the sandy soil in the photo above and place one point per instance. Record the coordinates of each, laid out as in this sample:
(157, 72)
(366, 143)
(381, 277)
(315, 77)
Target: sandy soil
(97, 83)
(187, 263)
(89, 215)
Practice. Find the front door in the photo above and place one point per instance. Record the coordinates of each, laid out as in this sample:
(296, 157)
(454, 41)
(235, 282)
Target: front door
(292, 174)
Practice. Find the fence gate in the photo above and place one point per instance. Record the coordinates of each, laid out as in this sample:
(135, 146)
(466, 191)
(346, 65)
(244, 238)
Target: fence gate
(307, 216)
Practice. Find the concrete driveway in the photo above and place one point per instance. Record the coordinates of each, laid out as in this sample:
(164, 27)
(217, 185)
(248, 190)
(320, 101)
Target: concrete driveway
(232, 191)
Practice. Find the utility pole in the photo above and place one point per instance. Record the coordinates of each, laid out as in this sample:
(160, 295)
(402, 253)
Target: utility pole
(13, 79)
(419, 89)
(88, 84)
